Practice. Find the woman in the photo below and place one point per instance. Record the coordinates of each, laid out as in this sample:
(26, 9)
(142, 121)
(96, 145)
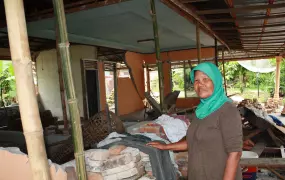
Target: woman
(214, 138)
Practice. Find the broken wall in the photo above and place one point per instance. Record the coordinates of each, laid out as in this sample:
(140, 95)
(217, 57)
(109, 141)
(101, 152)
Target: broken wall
(128, 99)
(180, 55)
(48, 78)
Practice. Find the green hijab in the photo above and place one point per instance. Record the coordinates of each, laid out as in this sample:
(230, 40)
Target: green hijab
(208, 105)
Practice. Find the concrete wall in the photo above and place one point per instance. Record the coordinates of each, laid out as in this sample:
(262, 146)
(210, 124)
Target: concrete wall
(48, 79)
(128, 98)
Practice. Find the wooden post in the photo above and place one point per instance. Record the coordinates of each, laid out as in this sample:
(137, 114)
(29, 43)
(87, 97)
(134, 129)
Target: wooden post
(70, 90)
(216, 53)
(61, 84)
(148, 78)
(184, 75)
(224, 71)
(198, 44)
(22, 63)
(277, 78)
(116, 89)
(157, 52)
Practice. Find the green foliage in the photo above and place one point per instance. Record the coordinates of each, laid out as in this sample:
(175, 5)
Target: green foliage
(7, 83)
(178, 79)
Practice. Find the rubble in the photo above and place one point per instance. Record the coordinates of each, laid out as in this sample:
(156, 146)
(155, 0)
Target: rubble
(116, 150)
(273, 105)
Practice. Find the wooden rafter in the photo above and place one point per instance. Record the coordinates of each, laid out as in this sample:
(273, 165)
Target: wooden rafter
(240, 9)
(226, 28)
(226, 20)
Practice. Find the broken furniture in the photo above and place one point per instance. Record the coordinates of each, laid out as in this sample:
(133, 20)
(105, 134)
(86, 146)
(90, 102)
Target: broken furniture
(169, 103)
(93, 131)
(259, 129)
(11, 119)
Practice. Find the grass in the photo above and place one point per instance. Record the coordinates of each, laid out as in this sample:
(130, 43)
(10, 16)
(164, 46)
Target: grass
(250, 94)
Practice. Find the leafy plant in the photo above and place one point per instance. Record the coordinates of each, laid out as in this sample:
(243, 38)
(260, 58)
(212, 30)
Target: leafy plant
(7, 83)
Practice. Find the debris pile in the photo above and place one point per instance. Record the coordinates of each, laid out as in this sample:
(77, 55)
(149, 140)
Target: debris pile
(119, 162)
(146, 163)
(273, 105)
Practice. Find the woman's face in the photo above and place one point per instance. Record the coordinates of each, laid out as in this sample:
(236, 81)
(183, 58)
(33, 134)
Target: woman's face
(203, 85)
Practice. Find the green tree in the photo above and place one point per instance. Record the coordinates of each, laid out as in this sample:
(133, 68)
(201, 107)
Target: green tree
(7, 83)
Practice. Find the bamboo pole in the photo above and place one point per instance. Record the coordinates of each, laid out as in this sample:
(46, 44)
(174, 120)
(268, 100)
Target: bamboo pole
(198, 44)
(224, 71)
(70, 90)
(116, 89)
(216, 52)
(157, 51)
(184, 75)
(61, 83)
(22, 63)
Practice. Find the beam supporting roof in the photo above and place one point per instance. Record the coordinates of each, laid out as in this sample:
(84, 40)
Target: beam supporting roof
(225, 28)
(226, 20)
(241, 9)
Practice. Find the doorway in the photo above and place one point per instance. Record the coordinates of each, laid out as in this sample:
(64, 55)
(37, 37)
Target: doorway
(91, 92)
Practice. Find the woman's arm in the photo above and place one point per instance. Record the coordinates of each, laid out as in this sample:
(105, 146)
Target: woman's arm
(231, 129)
(232, 165)
(178, 146)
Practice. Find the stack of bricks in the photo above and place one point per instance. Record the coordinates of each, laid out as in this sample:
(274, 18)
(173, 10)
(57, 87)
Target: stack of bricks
(273, 105)
(126, 165)
(117, 163)
(181, 160)
(146, 164)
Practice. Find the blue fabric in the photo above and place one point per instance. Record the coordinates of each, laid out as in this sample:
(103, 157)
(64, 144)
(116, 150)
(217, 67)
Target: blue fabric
(277, 121)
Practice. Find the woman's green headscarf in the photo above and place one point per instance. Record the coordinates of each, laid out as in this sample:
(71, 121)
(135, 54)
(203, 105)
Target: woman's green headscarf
(208, 105)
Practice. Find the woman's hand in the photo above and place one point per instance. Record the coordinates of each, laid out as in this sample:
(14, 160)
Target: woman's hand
(158, 145)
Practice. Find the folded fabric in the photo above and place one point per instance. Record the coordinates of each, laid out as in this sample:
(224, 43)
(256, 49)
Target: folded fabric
(175, 129)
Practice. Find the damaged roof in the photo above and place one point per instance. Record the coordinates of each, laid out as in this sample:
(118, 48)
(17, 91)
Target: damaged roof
(249, 28)
(245, 25)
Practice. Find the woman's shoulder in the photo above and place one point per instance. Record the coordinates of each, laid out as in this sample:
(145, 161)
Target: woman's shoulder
(229, 107)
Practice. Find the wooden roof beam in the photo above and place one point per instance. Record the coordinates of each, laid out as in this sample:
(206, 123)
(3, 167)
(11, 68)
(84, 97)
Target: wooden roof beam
(226, 28)
(193, 1)
(225, 20)
(241, 9)
(263, 35)
(266, 32)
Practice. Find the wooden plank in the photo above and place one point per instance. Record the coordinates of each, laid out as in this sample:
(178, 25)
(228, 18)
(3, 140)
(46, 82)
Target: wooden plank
(225, 20)
(271, 35)
(282, 151)
(276, 173)
(193, 1)
(263, 162)
(225, 28)
(241, 9)
(259, 148)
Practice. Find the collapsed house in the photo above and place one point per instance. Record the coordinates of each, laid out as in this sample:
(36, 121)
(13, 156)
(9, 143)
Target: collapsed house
(110, 48)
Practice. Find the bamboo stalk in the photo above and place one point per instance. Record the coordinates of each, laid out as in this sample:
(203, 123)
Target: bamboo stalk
(157, 52)
(61, 84)
(70, 90)
(224, 71)
(116, 89)
(216, 53)
(185, 78)
(22, 63)
(198, 44)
